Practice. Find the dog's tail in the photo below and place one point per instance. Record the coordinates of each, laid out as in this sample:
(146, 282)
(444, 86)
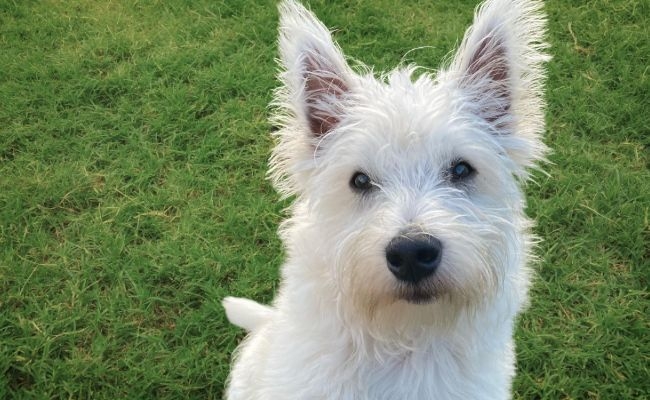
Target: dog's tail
(247, 314)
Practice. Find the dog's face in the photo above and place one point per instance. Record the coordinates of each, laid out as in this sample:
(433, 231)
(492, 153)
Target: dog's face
(410, 185)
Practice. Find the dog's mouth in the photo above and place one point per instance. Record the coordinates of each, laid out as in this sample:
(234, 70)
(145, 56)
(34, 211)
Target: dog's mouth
(416, 294)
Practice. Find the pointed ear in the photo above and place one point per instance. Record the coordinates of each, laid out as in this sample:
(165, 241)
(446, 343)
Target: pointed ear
(316, 76)
(499, 64)
(486, 74)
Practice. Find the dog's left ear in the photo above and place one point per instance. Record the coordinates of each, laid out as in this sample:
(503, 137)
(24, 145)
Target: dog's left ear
(499, 71)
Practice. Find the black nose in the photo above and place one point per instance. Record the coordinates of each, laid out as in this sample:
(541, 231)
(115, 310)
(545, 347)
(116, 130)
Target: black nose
(413, 258)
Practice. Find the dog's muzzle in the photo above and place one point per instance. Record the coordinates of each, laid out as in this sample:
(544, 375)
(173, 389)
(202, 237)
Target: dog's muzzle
(413, 257)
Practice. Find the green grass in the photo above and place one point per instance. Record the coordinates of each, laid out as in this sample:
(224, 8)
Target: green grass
(133, 147)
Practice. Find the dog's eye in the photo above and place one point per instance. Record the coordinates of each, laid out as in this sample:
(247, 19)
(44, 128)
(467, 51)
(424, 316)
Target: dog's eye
(461, 170)
(361, 181)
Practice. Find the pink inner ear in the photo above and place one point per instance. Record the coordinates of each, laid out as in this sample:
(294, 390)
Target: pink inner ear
(489, 58)
(324, 89)
(489, 62)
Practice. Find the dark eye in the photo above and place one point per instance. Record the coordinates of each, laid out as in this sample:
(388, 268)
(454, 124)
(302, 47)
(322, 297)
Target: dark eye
(461, 170)
(361, 181)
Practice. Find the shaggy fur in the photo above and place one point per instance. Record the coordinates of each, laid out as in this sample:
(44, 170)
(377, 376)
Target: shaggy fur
(405, 155)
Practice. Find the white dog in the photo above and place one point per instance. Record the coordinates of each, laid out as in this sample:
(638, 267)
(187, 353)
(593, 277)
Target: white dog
(407, 245)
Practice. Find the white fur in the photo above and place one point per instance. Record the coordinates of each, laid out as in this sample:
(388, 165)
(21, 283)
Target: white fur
(341, 326)
(247, 314)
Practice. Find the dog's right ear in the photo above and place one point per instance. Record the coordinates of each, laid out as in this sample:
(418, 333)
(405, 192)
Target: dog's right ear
(315, 73)
(311, 103)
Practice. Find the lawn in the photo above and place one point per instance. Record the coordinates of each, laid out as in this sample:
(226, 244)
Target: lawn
(133, 148)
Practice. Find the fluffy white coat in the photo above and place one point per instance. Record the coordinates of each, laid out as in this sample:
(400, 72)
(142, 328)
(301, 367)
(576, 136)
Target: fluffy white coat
(342, 326)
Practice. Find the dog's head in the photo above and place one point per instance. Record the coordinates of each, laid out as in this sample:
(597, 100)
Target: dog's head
(408, 184)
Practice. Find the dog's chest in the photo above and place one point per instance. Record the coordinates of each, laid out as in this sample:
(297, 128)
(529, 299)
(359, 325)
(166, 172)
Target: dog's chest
(411, 375)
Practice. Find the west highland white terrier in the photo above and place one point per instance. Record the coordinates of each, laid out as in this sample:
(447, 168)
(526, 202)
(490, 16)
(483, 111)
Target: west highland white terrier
(407, 244)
